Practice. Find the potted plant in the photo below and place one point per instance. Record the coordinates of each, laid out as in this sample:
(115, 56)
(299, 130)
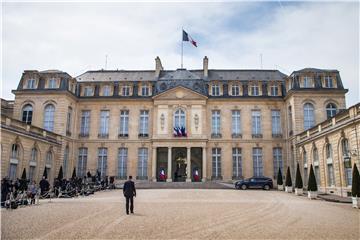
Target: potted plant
(298, 182)
(355, 188)
(279, 181)
(288, 182)
(312, 185)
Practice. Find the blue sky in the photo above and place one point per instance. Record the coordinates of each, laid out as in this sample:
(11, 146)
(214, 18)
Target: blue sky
(75, 37)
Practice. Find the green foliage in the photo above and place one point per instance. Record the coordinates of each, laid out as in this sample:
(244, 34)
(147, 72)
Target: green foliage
(312, 185)
(279, 178)
(298, 179)
(288, 181)
(355, 188)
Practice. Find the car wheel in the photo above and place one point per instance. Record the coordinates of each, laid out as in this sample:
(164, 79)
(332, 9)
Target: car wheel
(267, 187)
(243, 187)
(237, 186)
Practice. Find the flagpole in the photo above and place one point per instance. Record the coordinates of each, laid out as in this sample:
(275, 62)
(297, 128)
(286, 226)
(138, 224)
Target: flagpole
(182, 46)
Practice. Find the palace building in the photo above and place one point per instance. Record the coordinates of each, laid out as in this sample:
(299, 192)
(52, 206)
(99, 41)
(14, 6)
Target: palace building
(193, 125)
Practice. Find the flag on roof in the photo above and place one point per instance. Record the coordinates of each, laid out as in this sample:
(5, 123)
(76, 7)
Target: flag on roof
(188, 38)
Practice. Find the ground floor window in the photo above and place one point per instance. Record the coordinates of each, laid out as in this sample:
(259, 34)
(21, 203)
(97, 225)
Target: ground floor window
(348, 172)
(102, 161)
(237, 164)
(142, 163)
(12, 171)
(32, 173)
(216, 163)
(305, 176)
(82, 162)
(317, 175)
(277, 159)
(122, 162)
(257, 162)
(331, 180)
(48, 172)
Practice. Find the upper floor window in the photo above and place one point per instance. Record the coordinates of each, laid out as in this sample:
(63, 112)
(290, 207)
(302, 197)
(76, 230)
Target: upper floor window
(27, 114)
(274, 90)
(49, 117)
(307, 82)
(34, 154)
(68, 121)
(49, 158)
(309, 118)
(329, 82)
(275, 122)
(126, 90)
(315, 155)
(88, 91)
(328, 151)
(52, 83)
(256, 122)
(124, 123)
(179, 119)
(330, 110)
(15, 151)
(235, 90)
(290, 119)
(254, 90)
(215, 90)
(304, 157)
(145, 90)
(85, 123)
(30, 84)
(236, 122)
(345, 147)
(106, 90)
(215, 122)
(144, 123)
(104, 123)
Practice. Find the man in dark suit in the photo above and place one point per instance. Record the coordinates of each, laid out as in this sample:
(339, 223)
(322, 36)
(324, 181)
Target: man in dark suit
(129, 193)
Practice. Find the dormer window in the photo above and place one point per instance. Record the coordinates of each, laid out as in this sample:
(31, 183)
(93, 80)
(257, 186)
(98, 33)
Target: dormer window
(215, 90)
(88, 91)
(145, 90)
(274, 90)
(126, 90)
(235, 90)
(30, 84)
(254, 90)
(106, 90)
(52, 83)
(329, 82)
(307, 83)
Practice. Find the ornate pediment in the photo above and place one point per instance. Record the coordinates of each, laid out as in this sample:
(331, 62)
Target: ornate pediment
(179, 93)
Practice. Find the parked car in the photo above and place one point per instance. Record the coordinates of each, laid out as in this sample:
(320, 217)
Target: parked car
(255, 182)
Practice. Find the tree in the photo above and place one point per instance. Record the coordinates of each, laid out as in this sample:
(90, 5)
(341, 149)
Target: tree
(60, 175)
(298, 179)
(312, 185)
(355, 188)
(288, 181)
(74, 174)
(279, 178)
(45, 173)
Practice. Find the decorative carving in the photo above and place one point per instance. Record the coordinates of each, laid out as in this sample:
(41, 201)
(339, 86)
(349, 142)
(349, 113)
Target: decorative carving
(162, 121)
(342, 134)
(196, 121)
(179, 94)
(122, 144)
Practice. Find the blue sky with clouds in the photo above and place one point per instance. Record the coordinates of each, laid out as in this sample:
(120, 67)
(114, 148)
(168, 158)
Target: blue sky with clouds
(75, 37)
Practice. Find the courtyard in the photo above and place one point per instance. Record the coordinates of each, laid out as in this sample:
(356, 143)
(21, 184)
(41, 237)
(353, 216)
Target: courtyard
(183, 214)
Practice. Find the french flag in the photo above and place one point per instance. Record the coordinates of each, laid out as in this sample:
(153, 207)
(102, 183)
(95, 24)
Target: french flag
(187, 38)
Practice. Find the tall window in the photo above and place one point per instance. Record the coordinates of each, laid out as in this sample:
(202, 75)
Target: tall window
(88, 91)
(274, 90)
(48, 166)
(145, 90)
(126, 90)
(216, 163)
(102, 162)
(257, 162)
(104, 123)
(27, 113)
(52, 83)
(15, 152)
(142, 163)
(85, 123)
(256, 122)
(275, 122)
(215, 122)
(254, 90)
(106, 90)
(237, 163)
(277, 159)
(328, 151)
(179, 118)
(68, 121)
(30, 84)
(290, 119)
(309, 119)
(347, 161)
(316, 165)
(330, 110)
(330, 168)
(122, 163)
(307, 82)
(124, 123)
(33, 163)
(235, 90)
(215, 90)
(82, 162)
(66, 161)
(144, 123)
(49, 117)
(236, 122)
(305, 167)
(329, 82)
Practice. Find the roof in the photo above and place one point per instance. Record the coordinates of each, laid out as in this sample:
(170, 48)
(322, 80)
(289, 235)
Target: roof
(315, 70)
(116, 75)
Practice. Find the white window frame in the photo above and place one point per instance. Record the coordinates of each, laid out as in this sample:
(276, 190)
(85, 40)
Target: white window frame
(237, 162)
(307, 82)
(215, 89)
(106, 91)
(144, 122)
(52, 83)
(30, 84)
(85, 122)
(28, 111)
(125, 90)
(145, 90)
(277, 160)
(102, 161)
(88, 91)
(124, 122)
(236, 122)
(143, 157)
(122, 162)
(215, 122)
(256, 122)
(255, 91)
(49, 114)
(235, 90)
(179, 118)
(82, 161)
(104, 122)
(309, 116)
(329, 82)
(216, 162)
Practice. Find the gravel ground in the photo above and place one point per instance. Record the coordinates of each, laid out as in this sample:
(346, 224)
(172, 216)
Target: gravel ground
(184, 214)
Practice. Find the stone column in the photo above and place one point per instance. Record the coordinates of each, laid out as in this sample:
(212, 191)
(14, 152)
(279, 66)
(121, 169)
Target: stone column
(188, 166)
(169, 172)
(203, 164)
(154, 164)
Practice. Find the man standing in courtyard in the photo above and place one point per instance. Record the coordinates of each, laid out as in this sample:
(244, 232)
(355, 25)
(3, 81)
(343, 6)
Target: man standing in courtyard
(129, 193)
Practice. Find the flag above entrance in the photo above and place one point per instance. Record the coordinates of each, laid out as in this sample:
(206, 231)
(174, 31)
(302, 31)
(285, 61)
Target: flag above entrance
(180, 132)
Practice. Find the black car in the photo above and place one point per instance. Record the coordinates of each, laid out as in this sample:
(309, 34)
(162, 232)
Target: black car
(255, 182)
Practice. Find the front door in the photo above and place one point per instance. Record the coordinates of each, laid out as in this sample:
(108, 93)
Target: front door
(179, 164)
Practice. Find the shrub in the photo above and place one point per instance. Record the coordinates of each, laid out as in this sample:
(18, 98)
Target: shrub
(288, 181)
(355, 188)
(312, 185)
(298, 179)
(279, 178)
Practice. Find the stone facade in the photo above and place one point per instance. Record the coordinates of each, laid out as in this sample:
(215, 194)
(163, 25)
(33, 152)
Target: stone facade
(122, 122)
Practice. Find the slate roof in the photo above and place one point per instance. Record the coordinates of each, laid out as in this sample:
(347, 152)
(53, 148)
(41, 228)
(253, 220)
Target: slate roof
(314, 70)
(121, 75)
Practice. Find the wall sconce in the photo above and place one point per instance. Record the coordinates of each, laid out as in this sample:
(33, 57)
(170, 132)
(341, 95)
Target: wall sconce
(162, 121)
(196, 119)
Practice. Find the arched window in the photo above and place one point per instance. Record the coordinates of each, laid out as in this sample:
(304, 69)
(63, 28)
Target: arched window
(330, 167)
(347, 161)
(66, 160)
(33, 163)
(316, 165)
(309, 119)
(49, 158)
(179, 119)
(15, 151)
(49, 117)
(328, 151)
(27, 113)
(305, 167)
(14, 160)
(330, 110)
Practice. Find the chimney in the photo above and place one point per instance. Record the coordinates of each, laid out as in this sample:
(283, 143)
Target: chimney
(205, 66)
(158, 66)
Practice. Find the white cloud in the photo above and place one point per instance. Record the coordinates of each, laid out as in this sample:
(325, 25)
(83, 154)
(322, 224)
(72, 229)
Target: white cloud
(75, 37)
